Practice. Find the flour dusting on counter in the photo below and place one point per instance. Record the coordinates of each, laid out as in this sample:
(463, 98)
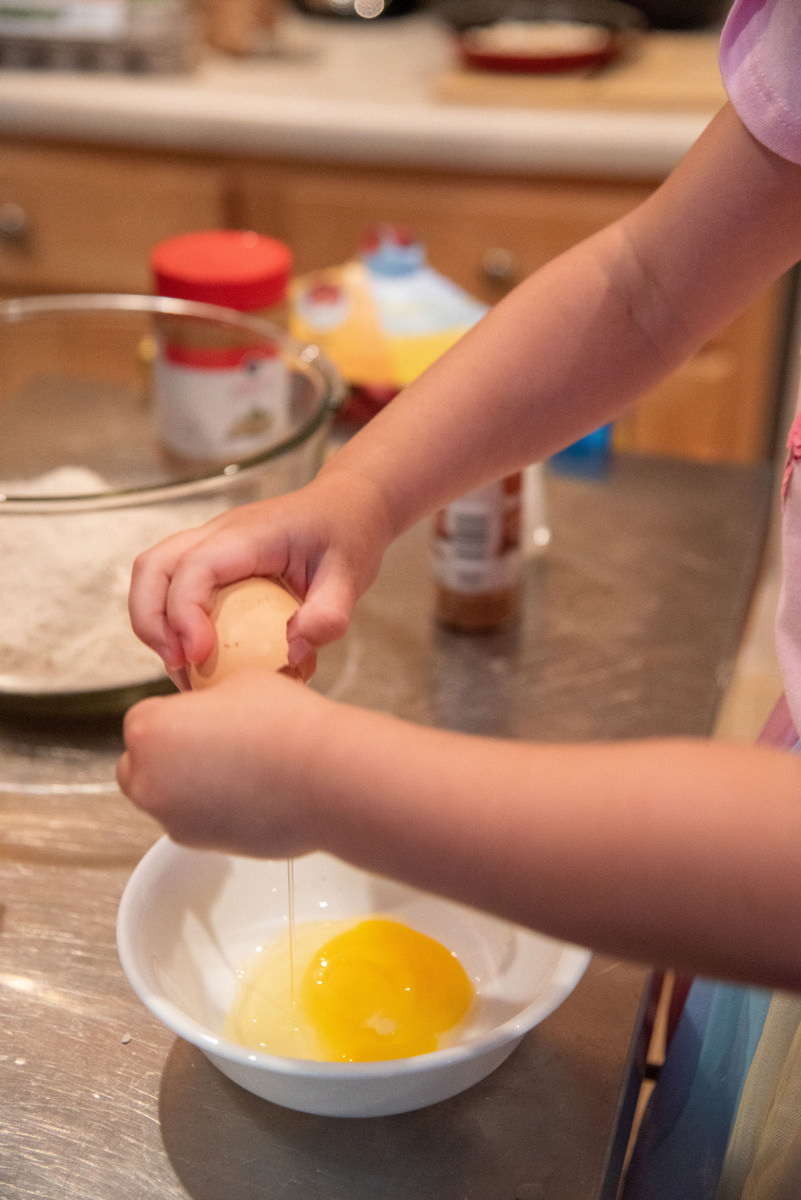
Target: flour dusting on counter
(64, 623)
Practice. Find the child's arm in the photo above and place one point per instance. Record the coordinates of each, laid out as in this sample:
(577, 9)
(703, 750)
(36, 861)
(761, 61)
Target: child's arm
(562, 354)
(676, 852)
(585, 335)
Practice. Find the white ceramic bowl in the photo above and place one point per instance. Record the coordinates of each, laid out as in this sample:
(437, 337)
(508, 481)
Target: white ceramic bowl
(189, 920)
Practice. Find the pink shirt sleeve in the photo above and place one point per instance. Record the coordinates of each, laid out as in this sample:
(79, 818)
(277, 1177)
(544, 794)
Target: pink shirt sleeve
(760, 59)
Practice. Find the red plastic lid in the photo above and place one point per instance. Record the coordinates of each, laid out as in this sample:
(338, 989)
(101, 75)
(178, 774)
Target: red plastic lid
(234, 268)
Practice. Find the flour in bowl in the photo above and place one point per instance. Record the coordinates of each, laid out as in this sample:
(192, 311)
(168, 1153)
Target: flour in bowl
(64, 623)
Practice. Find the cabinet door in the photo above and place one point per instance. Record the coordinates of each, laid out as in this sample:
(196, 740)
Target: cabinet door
(484, 234)
(722, 403)
(76, 219)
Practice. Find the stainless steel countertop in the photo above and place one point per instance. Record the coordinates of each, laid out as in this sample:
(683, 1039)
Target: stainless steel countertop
(631, 625)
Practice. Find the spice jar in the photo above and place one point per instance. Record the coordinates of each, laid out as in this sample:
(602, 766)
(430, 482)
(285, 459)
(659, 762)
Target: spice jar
(476, 557)
(221, 390)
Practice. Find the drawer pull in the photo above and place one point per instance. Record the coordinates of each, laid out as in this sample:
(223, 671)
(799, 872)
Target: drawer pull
(14, 223)
(500, 266)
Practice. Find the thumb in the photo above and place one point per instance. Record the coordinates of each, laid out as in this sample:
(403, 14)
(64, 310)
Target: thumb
(323, 617)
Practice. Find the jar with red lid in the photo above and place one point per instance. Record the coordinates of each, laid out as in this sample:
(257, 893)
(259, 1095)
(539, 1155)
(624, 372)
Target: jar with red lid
(221, 389)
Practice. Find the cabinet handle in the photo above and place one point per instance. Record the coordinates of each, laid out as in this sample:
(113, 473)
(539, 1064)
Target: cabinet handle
(14, 222)
(499, 266)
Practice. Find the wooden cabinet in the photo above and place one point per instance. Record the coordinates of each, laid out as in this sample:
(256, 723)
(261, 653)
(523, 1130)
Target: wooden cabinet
(75, 218)
(722, 404)
(486, 234)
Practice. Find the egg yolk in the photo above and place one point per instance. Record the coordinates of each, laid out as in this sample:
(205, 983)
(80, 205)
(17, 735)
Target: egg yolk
(382, 990)
(373, 990)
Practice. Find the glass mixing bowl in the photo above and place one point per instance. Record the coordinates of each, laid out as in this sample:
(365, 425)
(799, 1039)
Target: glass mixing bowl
(87, 481)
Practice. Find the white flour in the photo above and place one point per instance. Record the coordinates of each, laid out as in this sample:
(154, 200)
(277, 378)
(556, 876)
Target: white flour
(63, 601)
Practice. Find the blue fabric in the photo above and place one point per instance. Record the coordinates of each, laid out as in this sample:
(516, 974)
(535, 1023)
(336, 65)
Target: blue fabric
(683, 1138)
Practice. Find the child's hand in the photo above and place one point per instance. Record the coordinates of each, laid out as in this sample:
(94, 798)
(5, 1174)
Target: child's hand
(229, 767)
(324, 541)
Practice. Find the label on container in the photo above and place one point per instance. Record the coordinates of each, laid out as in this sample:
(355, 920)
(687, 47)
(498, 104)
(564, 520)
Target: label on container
(220, 404)
(476, 546)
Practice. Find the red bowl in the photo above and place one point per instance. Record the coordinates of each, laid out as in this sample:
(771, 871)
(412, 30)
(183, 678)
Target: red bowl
(544, 62)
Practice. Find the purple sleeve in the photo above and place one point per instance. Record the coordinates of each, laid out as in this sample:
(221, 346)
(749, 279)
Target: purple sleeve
(760, 52)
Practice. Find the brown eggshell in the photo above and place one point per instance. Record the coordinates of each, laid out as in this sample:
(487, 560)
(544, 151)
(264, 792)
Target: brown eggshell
(250, 618)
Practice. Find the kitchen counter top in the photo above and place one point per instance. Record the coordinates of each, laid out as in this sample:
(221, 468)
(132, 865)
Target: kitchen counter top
(631, 623)
(362, 92)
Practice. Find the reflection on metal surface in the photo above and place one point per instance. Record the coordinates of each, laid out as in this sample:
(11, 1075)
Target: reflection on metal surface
(631, 619)
(58, 755)
(47, 995)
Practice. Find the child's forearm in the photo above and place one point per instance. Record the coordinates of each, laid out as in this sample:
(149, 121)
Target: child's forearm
(537, 372)
(682, 853)
(585, 335)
